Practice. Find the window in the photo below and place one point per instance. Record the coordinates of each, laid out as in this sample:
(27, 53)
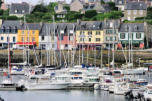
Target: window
(107, 38)
(111, 38)
(7, 39)
(89, 39)
(33, 32)
(22, 32)
(22, 39)
(42, 37)
(61, 37)
(138, 35)
(129, 18)
(109, 31)
(97, 32)
(70, 37)
(82, 39)
(122, 35)
(90, 33)
(16, 11)
(135, 12)
(81, 32)
(53, 46)
(141, 12)
(2, 38)
(129, 12)
(33, 39)
(14, 39)
(97, 39)
(23, 11)
(28, 39)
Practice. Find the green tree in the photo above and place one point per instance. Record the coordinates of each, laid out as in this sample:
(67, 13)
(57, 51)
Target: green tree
(149, 13)
(112, 6)
(67, 8)
(102, 2)
(40, 8)
(90, 13)
(1, 3)
(73, 16)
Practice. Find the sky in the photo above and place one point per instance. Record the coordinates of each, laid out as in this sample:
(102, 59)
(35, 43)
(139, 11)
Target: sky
(33, 2)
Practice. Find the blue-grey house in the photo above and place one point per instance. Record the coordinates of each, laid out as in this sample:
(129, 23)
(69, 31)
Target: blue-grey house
(133, 32)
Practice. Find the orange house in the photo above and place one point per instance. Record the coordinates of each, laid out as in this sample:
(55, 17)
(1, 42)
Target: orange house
(28, 34)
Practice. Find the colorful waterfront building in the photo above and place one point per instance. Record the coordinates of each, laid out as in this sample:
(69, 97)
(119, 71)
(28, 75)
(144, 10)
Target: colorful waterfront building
(47, 37)
(28, 34)
(66, 36)
(8, 33)
(132, 33)
(89, 34)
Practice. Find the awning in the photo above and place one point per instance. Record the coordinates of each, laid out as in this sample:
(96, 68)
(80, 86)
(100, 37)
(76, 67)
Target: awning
(119, 45)
(26, 43)
(141, 45)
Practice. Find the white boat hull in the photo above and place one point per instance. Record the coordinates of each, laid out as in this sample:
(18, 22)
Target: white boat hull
(46, 86)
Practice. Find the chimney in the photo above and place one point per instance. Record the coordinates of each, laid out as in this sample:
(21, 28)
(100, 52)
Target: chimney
(1, 22)
(78, 21)
(21, 23)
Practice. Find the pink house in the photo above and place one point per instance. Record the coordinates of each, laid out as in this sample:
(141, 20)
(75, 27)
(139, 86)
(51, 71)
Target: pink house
(66, 36)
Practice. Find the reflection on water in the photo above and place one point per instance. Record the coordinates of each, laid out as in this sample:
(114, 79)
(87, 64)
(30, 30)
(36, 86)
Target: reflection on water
(60, 95)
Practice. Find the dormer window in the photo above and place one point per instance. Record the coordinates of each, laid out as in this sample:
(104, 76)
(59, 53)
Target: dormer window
(126, 27)
(4, 30)
(9, 29)
(136, 27)
(23, 11)
(120, 2)
(15, 29)
(16, 11)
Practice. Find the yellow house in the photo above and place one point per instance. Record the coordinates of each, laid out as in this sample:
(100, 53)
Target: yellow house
(90, 34)
(28, 34)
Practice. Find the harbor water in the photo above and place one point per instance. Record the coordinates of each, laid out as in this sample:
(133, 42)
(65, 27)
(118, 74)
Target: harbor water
(60, 95)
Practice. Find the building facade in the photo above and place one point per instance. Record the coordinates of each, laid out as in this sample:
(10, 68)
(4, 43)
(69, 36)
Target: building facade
(8, 33)
(28, 34)
(19, 9)
(47, 37)
(111, 32)
(66, 36)
(134, 10)
(132, 33)
(89, 35)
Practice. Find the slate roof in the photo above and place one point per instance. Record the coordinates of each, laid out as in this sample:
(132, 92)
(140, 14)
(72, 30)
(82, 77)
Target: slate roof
(22, 8)
(45, 29)
(90, 25)
(132, 27)
(135, 6)
(108, 22)
(31, 26)
(119, 2)
(10, 24)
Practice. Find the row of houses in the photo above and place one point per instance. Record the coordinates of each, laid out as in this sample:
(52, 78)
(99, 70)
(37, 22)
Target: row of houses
(83, 34)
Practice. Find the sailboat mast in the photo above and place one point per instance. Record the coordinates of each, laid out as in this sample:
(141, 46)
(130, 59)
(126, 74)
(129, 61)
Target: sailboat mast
(101, 57)
(68, 48)
(72, 63)
(54, 40)
(113, 50)
(9, 58)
